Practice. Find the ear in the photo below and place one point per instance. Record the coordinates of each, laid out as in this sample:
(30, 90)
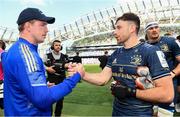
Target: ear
(132, 27)
(27, 26)
(52, 48)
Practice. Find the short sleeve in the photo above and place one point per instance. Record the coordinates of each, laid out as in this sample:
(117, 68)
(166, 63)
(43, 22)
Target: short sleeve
(157, 63)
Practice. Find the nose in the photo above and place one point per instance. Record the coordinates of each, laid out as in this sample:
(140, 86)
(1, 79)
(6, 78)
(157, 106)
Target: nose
(46, 29)
(114, 32)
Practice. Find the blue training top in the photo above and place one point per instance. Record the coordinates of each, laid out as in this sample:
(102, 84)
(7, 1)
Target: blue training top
(124, 63)
(25, 89)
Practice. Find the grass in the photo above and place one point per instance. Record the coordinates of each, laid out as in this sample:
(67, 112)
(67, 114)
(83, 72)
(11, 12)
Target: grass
(87, 99)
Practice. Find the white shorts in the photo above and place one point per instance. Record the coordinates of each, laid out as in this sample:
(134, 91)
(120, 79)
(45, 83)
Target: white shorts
(164, 113)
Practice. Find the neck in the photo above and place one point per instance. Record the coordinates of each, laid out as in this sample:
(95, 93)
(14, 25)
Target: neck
(57, 53)
(153, 40)
(28, 38)
(131, 42)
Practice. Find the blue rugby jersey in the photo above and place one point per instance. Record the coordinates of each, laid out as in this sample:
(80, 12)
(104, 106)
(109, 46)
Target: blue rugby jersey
(25, 89)
(169, 46)
(124, 63)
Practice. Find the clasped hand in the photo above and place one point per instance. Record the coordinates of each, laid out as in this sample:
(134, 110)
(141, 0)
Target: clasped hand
(73, 68)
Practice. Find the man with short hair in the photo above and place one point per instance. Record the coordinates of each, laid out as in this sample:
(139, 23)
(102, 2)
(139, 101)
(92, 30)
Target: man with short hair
(103, 59)
(140, 72)
(77, 58)
(25, 91)
(171, 50)
(55, 66)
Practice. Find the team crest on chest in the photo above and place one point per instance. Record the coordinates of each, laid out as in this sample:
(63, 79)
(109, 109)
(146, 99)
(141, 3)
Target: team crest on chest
(136, 59)
(164, 48)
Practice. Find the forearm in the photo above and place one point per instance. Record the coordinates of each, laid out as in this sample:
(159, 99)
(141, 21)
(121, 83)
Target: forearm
(54, 93)
(65, 87)
(100, 79)
(158, 94)
(95, 78)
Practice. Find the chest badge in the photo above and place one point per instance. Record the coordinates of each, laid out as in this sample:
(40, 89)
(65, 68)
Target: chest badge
(136, 59)
(164, 48)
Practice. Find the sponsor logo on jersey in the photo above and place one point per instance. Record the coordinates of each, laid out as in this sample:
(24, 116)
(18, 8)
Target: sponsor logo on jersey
(162, 59)
(121, 69)
(122, 75)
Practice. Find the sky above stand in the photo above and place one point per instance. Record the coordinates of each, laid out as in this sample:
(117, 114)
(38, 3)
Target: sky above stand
(65, 11)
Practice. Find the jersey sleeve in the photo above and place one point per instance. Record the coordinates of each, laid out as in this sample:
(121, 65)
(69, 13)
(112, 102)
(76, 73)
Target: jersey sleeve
(175, 47)
(111, 58)
(157, 63)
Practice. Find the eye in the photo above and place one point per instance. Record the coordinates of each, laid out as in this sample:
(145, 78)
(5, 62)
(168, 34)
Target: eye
(118, 27)
(151, 28)
(156, 27)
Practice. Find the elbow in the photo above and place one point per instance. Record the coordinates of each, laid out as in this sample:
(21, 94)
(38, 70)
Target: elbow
(41, 105)
(103, 83)
(99, 83)
(168, 97)
(38, 101)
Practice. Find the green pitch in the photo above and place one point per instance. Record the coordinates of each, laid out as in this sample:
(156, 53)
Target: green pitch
(89, 100)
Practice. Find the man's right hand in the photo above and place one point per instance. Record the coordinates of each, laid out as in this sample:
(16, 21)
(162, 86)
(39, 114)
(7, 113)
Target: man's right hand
(74, 67)
(50, 70)
(50, 84)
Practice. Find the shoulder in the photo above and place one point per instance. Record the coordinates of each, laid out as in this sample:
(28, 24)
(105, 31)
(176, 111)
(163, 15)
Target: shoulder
(168, 39)
(171, 42)
(15, 53)
(48, 54)
(64, 56)
(149, 47)
(118, 50)
(15, 50)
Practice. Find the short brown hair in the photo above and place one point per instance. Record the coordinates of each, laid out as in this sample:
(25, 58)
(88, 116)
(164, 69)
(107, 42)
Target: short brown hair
(131, 17)
(21, 26)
